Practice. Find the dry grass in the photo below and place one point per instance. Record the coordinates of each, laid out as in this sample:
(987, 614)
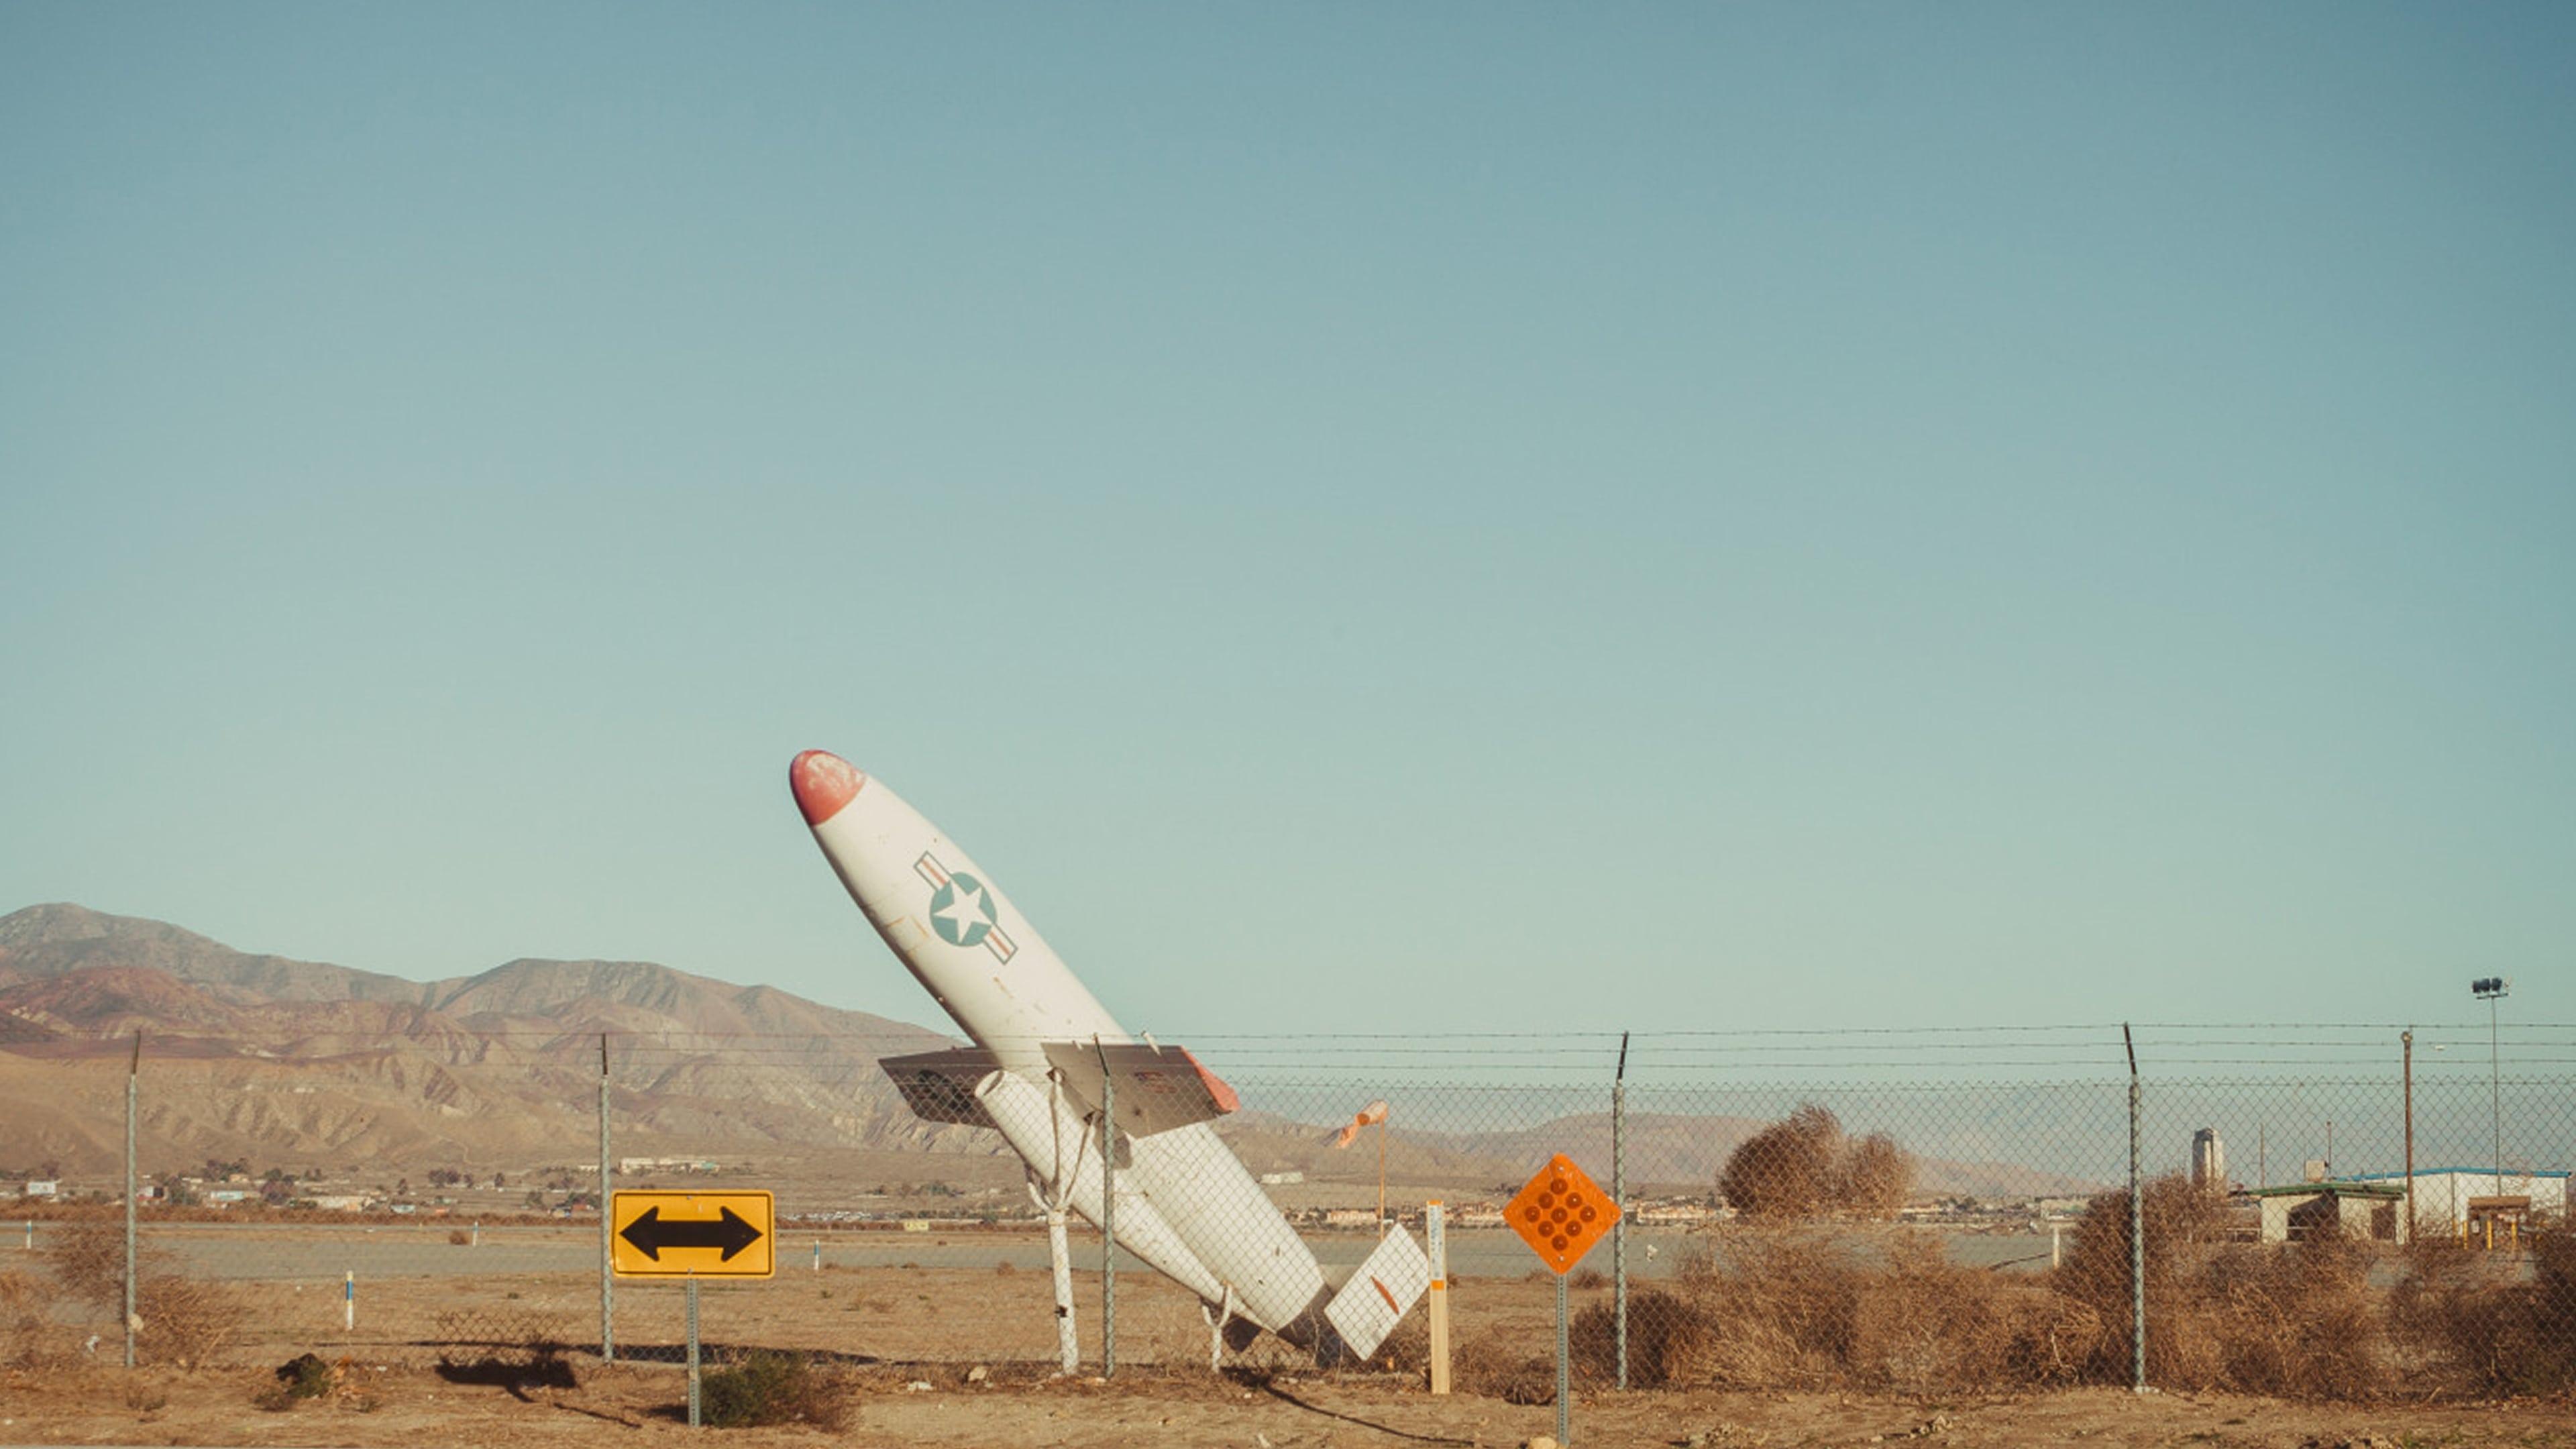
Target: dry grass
(1497, 1363)
(1804, 1167)
(1802, 1306)
(2482, 1328)
(774, 1388)
(22, 1320)
(185, 1321)
(2296, 1320)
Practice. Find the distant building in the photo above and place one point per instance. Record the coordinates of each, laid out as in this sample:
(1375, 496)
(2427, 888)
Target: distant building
(2312, 1209)
(630, 1166)
(341, 1202)
(42, 1187)
(1282, 1179)
(1350, 1218)
(2448, 1198)
(2208, 1161)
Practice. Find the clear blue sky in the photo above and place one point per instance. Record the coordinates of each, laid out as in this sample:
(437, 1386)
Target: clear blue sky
(1361, 517)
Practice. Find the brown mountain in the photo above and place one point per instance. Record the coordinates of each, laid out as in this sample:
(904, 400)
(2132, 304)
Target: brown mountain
(286, 1062)
(278, 1060)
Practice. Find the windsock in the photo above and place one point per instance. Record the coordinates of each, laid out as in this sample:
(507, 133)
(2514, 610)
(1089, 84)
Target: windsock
(1369, 1116)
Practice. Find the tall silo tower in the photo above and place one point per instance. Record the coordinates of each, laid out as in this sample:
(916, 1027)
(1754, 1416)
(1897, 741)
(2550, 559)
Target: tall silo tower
(2208, 1161)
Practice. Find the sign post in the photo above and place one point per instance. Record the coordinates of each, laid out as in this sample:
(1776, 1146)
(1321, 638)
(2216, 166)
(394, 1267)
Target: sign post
(693, 1350)
(1561, 1214)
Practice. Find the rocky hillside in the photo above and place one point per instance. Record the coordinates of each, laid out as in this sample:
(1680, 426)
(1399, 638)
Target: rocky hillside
(286, 1062)
(277, 1060)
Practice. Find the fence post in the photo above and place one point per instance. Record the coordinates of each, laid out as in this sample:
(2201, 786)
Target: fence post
(2406, 1233)
(1108, 1214)
(607, 1277)
(133, 1070)
(2137, 1234)
(1619, 1204)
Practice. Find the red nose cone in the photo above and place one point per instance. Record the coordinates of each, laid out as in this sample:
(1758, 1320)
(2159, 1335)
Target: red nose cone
(823, 782)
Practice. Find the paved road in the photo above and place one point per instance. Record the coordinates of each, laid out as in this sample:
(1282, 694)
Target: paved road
(323, 1253)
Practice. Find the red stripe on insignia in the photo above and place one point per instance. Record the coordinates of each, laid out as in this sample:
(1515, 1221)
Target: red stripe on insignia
(929, 870)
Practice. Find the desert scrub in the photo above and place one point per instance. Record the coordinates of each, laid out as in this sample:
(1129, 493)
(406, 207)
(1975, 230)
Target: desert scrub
(186, 1321)
(768, 1387)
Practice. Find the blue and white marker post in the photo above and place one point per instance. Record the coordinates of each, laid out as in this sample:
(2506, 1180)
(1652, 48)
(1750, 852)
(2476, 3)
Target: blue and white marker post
(349, 1301)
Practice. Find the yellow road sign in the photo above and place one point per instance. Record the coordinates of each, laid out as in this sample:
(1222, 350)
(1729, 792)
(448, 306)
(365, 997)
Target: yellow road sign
(692, 1234)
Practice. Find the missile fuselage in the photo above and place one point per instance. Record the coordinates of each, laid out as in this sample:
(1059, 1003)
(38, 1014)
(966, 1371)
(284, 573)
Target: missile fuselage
(1185, 1204)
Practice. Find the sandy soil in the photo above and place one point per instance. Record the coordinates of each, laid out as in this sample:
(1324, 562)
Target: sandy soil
(626, 1405)
(886, 1329)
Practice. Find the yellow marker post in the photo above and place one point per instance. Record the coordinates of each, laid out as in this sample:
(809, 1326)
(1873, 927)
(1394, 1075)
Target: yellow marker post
(1437, 1236)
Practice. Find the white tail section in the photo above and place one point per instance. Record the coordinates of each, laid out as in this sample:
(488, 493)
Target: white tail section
(1380, 1292)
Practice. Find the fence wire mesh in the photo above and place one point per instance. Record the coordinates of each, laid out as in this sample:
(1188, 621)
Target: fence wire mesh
(1917, 1211)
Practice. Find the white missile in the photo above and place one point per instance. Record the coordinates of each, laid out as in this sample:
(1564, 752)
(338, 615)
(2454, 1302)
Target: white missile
(1044, 1050)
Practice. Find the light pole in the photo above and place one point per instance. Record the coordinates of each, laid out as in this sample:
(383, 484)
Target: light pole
(2492, 989)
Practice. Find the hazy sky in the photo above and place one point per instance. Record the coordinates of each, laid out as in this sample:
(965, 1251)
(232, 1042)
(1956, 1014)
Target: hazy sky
(1383, 518)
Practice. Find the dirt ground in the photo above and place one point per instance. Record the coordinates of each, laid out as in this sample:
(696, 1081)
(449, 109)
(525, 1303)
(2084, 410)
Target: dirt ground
(409, 1406)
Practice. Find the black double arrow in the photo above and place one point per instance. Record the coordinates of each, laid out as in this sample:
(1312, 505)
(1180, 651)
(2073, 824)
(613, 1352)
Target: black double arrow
(728, 1233)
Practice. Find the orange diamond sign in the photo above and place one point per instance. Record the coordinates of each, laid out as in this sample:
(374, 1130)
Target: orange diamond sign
(1561, 1214)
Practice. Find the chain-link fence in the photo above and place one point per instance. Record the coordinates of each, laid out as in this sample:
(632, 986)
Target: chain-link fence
(2320, 1211)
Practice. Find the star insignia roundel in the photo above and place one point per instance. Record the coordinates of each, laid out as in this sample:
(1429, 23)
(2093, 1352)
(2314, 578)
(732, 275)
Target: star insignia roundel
(961, 911)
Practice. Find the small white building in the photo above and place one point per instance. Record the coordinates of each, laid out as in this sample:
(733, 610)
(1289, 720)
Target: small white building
(44, 1187)
(2342, 1206)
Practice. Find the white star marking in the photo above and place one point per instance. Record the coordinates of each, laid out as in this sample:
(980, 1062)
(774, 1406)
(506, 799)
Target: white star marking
(967, 906)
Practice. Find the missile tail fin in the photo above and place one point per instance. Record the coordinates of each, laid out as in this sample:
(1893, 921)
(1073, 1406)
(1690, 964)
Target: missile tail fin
(1380, 1292)
(940, 1086)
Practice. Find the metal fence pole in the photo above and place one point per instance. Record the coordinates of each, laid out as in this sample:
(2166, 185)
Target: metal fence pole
(1564, 1431)
(2406, 1233)
(2137, 1234)
(607, 1276)
(1108, 1215)
(1619, 1204)
(133, 1071)
(693, 1350)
